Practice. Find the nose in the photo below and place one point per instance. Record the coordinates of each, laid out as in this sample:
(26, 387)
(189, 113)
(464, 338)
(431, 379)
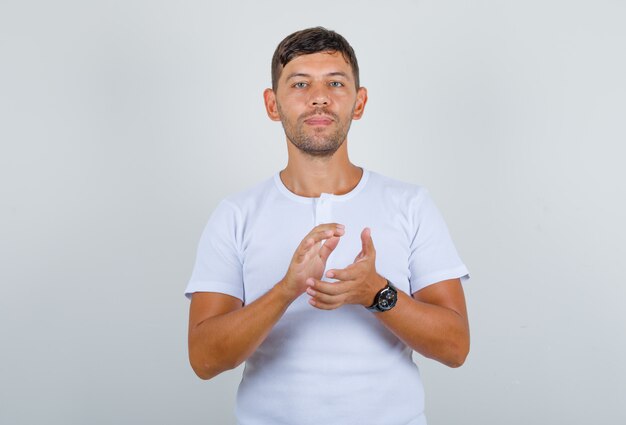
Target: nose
(319, 98)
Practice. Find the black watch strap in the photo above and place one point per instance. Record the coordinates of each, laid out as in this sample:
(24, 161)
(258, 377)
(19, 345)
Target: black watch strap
(385, 299)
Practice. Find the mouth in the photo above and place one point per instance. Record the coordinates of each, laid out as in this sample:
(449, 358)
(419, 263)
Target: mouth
(318, 120)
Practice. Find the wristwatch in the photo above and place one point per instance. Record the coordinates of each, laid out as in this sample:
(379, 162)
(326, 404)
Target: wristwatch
(385, 299)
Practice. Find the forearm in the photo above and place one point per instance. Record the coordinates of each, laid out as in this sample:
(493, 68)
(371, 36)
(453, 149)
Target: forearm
(224, 341)
(434, 331)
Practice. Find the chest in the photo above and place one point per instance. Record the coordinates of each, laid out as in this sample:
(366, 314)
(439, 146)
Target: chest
(270, 240)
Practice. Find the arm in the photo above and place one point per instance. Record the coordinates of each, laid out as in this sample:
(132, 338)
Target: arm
(223, 333)
(433, 322)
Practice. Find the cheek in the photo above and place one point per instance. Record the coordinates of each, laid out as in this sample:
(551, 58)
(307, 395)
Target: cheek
(292, 104)
(346, 100)
(293, 96)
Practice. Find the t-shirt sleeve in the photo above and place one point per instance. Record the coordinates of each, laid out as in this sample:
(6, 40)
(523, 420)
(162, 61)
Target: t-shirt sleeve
(433, 256)
(218, 266)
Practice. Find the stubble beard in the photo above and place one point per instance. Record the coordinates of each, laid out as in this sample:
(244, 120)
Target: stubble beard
(318, 144)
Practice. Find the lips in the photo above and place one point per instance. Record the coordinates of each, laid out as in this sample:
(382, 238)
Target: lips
(318, 120)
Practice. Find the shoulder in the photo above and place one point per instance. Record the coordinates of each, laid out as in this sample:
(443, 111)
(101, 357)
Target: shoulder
(234, 213)
(237, 208)
(398, 192)
(251, 197)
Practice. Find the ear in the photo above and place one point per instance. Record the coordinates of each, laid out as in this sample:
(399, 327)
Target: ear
(361, 100)
(269, 98)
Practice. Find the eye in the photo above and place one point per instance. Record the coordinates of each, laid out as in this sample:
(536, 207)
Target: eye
(300, 85)
(335, 84)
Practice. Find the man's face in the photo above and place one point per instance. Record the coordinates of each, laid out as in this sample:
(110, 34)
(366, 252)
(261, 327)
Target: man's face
(316, 101)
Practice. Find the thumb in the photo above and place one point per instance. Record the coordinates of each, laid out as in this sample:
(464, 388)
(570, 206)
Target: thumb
(367, 242)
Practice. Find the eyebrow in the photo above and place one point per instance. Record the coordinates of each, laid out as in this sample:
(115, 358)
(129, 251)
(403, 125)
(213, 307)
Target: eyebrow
(330, 74)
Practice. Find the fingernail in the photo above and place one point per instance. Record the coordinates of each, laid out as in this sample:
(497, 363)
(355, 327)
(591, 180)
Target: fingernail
(312, 302)
(310, 291)
(340, 226)
(330, 274)
(310, 282)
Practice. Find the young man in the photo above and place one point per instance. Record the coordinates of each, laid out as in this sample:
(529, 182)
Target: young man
(326, 277)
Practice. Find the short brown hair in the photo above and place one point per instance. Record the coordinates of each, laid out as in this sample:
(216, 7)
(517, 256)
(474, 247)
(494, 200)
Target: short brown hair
(308, 41)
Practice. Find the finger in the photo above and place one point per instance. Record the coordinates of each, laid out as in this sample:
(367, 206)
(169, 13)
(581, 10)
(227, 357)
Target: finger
(341, 274)
(322, 298)
(324, 306)
(328, 288)
(320, 235)
(335, 227)
(313, 238)
(303, 249)
(367, 243)
(328, 247)
(359, 257)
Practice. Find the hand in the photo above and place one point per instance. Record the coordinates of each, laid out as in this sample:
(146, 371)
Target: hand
(357, 284)
(309, 260)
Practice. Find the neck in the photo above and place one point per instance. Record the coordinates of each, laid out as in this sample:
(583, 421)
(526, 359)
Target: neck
(311, 176)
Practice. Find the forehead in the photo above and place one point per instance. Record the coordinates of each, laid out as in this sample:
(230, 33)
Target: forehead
(318, 64)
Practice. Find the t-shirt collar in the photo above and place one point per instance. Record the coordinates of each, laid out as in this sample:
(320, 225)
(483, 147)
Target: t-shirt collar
(303, 199)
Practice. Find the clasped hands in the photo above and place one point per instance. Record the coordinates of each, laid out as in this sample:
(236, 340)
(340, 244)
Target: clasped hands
(358, 283)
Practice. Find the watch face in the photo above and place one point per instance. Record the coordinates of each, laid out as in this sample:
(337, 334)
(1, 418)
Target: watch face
(387, 299)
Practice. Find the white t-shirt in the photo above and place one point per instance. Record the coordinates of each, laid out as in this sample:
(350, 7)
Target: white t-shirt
(326, 367)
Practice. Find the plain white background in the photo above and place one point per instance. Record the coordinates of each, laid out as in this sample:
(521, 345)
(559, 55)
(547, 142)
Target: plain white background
(123, 123)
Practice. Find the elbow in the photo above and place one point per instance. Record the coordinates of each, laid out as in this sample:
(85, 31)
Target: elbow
(458, 354)
(208, 370)
(202, 369)
(459, 349)
(456, 361)
(453, 352)
(204, 374)
(207, 367)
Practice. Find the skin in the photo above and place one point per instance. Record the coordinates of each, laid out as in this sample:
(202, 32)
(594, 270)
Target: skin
(316, 100)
